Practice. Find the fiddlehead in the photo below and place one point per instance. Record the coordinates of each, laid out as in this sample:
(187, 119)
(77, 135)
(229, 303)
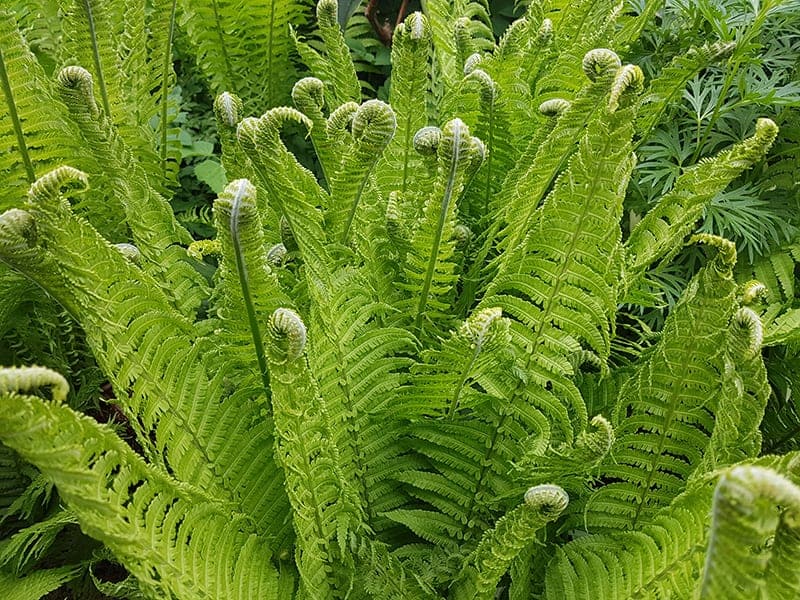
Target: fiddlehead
(24, 379)
(340, 119)
(629, 77)
(229, 111)
(17, 233)
(430, 267)
(57, 185)
(510, 535)
(755, 536)
(79, 89)
(372, 129)
(600, 62)
(554, 107)
(130, 252)
(242, 244)
(657, 235)
(287, 334)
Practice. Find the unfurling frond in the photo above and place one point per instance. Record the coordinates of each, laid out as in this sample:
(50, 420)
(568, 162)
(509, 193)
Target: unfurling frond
(25, 379)
(510, 535)
(754, 544)
(659, 233)
(199, 548)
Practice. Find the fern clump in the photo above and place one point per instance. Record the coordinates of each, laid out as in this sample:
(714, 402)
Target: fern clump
(412, 372)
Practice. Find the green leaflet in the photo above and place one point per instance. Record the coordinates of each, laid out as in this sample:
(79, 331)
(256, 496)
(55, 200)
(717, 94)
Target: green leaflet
(201, 551)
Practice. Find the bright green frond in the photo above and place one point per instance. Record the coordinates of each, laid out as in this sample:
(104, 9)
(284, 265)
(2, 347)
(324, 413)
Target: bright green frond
(754, 543)
(177, 542)
(659, 233)
(512, 533)
(185, 416)
(664, 417)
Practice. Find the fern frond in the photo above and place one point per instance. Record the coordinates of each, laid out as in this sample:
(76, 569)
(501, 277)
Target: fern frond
(128, 48)
(246, 284)
(755, 537)
(335, 68)
(667, 87)
(745, 391)
(34, 134)
(197, 550)
(325, 508)
(664, 558)
(154, 228)
(245, 52)
(37, 584)
(429, 269)
(498, 547)
(372, 128)
(661, 229)
(665, 413)
(411, 47)
(186, 418)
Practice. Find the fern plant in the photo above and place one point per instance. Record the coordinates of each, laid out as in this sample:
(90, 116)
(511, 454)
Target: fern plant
(405, 378)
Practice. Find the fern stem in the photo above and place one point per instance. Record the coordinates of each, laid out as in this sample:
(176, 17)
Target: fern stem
(356, 201)
(164, 88)
(241, 269)
(15, 120)
(437, 240)
(98, 64)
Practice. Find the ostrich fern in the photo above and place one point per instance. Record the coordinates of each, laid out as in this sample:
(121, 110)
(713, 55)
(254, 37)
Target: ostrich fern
(381, 390)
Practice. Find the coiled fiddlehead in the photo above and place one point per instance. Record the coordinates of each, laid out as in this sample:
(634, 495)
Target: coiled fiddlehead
(372, 129)
(554, 107)
(600, 62)
(629, 77)
(23, 379)
(287, 334)
(130, 252)
(17, 232)
(755, 537)
(79, 89)
(752, 331)
(752, 291)
(229, 111)
(427, 139)
(341, 118)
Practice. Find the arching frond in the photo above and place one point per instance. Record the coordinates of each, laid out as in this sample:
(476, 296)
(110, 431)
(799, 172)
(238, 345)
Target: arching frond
(197, 550)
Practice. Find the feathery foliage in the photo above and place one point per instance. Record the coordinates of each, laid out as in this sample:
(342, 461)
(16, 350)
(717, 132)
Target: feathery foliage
(412, 366)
